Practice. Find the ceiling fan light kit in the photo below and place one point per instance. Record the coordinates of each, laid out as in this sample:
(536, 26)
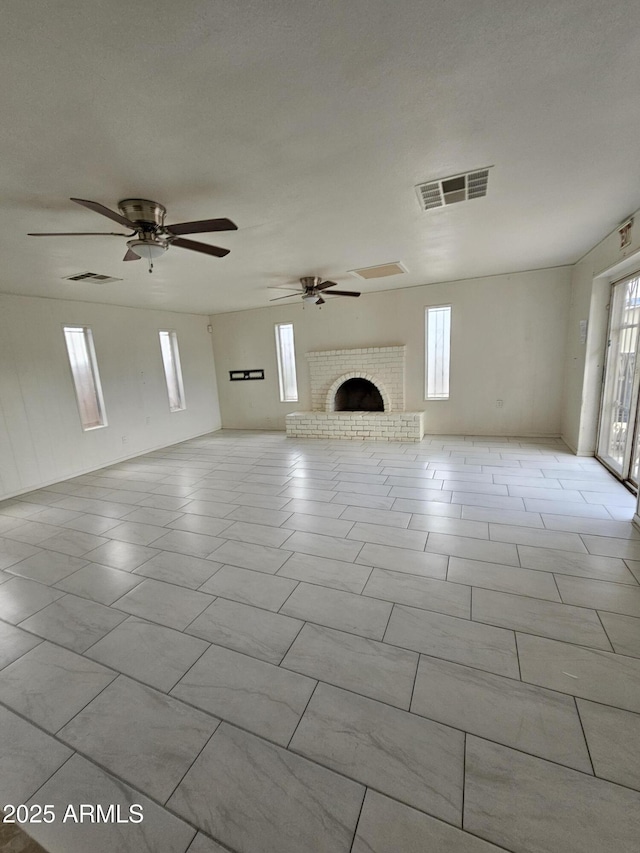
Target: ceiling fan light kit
(151, 238)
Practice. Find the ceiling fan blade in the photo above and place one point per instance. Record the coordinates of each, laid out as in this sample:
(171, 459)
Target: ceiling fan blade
(288, 296)
(320, 301)
(131, 256)
(77, 234)
(325, 284)
(205, 248)
(202, 226)
(343, 293)
(110, 214)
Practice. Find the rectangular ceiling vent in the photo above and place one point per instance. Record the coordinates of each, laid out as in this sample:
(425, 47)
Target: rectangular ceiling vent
(381, 271)
(91, 276)
(453, 189)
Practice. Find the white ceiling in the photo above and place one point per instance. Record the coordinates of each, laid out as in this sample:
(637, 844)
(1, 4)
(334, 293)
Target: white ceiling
(309, 123)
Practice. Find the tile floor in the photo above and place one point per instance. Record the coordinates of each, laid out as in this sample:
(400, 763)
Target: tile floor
(280, 646)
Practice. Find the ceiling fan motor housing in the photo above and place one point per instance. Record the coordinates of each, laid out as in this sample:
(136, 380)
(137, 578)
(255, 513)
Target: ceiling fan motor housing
(148, 214)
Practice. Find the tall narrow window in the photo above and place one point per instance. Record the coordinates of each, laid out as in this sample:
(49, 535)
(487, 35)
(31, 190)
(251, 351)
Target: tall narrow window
(172, 370)
(437, 352)
(286, 363)
(84, 368)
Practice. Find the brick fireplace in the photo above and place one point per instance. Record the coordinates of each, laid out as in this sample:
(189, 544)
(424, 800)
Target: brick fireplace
(331, 370)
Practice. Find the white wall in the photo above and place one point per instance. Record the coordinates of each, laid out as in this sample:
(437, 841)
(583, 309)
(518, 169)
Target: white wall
(590, 290)
(41, 439)
(508, 343)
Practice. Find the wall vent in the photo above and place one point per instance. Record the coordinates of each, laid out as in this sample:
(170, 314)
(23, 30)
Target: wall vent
(453, 189)
(380, 271)
(91, 276)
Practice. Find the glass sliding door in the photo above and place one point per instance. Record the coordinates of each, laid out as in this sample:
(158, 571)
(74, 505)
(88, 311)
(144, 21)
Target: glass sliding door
(618, 439)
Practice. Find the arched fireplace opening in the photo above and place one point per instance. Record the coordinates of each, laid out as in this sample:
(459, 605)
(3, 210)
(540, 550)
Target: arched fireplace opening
(358, 395)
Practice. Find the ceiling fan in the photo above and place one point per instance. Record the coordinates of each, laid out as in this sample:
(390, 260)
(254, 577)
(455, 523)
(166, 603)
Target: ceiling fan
(151, 237)
(313, 289)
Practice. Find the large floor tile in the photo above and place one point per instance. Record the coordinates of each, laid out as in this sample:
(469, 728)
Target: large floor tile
(20, 598)
(146, 738)
(614, 742)
(248, 556)
(387, 517)
(473, 549)
(404, 560)
(537, 538)
(170, 605)
(320, 508)
(49, 685)
(336, 609)
(307, 523)
(80, 781)
(580, 565)
(28, 758)
(431, 508)
(250, 587)
(99, 583)
(121, 555)
(153, 516)
(183, 542)
(427, 593)
(259, 515)
(332, 573)
(589, 673)
(528, 805)
(617, 529)
(75, 543)
(489, 501)
(258, 534)
(73, 622)
(246, 629)
(615, 597)
(387, 826)
(405, 756)
(450, 526)
(47, 567)
(136, 533)
(623, 632)
(14, 643)
(258, 798)
(534, 616)
(458, 640)
(519, 518)
(31, 532)
(503, 578)
(551, 507)
(179, 569)
(365, 666)
(324, 546)
(531, 719)
(150, 653)
(255, 695)
(395, 537)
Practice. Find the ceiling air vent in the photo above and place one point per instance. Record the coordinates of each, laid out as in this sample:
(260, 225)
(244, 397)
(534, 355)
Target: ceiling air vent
(453, 189)
(381, 271)
(91, 276)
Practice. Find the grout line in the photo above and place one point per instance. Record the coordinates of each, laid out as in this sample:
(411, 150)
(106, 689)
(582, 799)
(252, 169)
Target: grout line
(355, 830)
(584, 735)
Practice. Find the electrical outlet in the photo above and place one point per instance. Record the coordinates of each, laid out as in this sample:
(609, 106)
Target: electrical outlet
(499, 404)
(148, 420)
(124, 439)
